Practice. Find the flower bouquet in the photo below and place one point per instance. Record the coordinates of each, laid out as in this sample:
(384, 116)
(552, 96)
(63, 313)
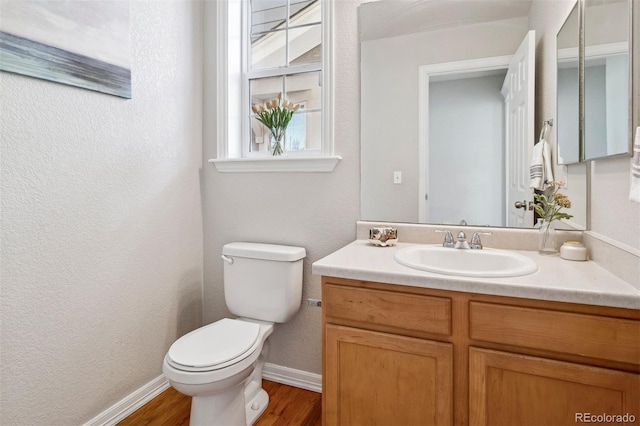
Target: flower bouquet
(548, 206)
(276, 115)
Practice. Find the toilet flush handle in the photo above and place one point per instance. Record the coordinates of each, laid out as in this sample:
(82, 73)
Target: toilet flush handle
(227, 259)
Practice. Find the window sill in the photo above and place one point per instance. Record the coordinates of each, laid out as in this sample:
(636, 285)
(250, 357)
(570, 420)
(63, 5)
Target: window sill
(279, 164)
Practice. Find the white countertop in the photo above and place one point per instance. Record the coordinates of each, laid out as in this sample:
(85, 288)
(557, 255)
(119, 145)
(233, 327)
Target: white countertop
(556, 279)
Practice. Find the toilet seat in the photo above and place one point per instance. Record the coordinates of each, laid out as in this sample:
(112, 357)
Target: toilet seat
(215, 346)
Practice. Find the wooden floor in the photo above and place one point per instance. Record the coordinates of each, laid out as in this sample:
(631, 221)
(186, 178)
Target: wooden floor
(288, 406)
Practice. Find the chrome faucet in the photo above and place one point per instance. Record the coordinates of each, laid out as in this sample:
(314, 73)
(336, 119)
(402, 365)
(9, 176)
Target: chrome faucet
(462, 241)
(476, 244)
(448, 238)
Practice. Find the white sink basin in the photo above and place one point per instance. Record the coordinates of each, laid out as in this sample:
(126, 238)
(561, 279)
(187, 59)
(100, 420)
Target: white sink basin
(485, 263)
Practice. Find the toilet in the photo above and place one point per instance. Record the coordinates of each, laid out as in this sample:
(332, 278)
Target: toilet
(220, 365)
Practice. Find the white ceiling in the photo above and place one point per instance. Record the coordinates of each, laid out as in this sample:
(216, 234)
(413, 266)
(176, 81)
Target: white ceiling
(391, 18)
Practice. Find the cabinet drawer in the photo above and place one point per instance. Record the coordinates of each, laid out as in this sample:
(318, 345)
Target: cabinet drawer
(402, 311)
(595, 336)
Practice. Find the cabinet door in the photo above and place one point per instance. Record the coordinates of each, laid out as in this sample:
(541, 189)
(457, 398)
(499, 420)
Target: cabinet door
(374, 378)
(510, 389)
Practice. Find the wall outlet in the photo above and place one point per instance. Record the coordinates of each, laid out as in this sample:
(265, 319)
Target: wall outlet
(397, 178)
(314, 302)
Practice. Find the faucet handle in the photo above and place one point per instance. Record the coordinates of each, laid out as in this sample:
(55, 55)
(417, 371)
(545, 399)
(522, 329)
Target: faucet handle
(475, 240)
(448, 238)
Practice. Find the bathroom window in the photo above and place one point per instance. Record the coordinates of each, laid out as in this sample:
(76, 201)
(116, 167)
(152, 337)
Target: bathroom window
(280, 46)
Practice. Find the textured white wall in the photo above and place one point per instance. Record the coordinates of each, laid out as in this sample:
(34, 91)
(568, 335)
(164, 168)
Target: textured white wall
(612, 214)
(101, 233)
(317, 211)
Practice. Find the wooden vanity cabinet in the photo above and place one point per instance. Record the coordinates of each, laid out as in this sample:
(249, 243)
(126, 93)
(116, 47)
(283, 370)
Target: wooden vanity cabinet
(381, 378)
(379, 368)
(400, 355)
(513, 389)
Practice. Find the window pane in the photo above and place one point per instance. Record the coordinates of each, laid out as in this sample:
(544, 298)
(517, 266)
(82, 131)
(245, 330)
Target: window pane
(303, 12)
(268, 33)
(305, 44)
(269, 50)
(296, 132)
(265, 89)
(267, 15)
(304, 131)
(272, 35)
(305, 89)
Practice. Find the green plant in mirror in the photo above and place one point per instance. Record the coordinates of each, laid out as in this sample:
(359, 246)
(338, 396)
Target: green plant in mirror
(550, 202)
(276, 115)
(548, 206)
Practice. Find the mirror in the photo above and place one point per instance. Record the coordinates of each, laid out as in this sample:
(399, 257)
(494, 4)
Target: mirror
(607, 129)
(399, 40)
(568, 90)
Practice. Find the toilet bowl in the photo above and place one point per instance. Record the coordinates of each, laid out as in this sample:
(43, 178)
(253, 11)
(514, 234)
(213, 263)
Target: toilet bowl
(220, 365)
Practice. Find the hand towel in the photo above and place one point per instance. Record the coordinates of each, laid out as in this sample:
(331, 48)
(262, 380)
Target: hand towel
(634, 193)
(540, 170)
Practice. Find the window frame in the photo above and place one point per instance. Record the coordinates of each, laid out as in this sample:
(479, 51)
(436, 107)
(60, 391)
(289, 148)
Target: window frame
(232, 125)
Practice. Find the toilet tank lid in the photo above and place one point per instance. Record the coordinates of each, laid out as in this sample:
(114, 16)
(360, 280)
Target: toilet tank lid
(264, 251)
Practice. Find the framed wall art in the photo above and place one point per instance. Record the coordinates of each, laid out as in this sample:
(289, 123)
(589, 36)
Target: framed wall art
(78, 43)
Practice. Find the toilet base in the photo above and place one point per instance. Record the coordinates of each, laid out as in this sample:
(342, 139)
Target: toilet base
(256, 406)
(218, 410)
(225, 408)
(255, 396)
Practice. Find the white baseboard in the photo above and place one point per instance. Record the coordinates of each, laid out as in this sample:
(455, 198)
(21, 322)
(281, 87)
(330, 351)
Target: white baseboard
(276, 373)
(292, 377)
(130, 403)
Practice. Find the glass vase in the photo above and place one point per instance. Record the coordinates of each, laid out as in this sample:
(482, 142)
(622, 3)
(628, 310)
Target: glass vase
(547, 239)
(276, 146)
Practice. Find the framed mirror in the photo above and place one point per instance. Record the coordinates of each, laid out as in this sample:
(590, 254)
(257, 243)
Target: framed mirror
(429, 152)
(607, 81)
(417, 58)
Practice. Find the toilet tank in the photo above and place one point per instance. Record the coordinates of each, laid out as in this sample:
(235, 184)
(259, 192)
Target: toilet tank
(263, 281)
